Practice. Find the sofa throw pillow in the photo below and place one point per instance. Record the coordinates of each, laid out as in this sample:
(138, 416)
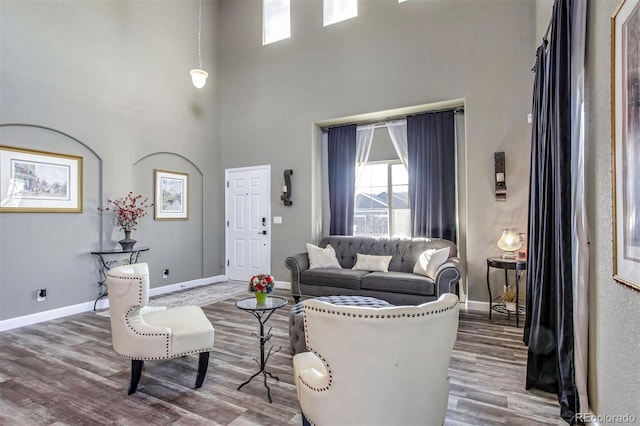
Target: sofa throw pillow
(372, 263)
(322, 257)
(429, 262)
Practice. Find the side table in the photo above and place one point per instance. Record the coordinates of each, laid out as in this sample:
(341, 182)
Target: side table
(262, 313)
(106, 264)
(518, 265)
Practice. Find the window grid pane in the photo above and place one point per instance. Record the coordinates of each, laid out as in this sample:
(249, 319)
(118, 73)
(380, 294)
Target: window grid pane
(371, 211)
(382, 201)
(276, 20)
(401, 219)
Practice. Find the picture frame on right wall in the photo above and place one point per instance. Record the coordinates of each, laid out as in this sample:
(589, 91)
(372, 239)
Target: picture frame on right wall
(625, 129)
(171, 195)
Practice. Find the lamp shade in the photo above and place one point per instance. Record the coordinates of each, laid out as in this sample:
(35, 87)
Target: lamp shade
(510, 241)
(199, 78)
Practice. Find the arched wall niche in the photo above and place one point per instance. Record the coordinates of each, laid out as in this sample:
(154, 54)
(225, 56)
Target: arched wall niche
(50, 250)
(177, 245)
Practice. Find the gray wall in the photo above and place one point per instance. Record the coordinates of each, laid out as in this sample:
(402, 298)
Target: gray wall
(392, 56)
(614, 311)
(115, 77)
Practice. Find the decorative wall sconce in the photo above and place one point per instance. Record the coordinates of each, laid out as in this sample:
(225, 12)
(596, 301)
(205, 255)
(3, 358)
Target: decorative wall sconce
(286, 189)
(510, 242)
(501, 184)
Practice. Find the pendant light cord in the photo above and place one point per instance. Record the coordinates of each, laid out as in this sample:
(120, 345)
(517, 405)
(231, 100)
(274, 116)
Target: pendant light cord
(199, 31)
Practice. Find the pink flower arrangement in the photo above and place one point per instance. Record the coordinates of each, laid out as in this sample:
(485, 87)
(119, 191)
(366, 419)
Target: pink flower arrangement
(128, 210)
(261, 283)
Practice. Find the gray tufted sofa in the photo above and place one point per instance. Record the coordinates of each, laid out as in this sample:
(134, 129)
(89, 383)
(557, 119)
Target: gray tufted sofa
(399, 286)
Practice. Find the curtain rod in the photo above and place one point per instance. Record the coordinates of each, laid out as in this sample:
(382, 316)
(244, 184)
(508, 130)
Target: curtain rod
(545, 40)
(382, 122)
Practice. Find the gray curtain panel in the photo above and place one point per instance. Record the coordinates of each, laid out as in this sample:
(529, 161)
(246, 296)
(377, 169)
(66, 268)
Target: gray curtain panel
(549, 328)
(342, 178)
(432, 174)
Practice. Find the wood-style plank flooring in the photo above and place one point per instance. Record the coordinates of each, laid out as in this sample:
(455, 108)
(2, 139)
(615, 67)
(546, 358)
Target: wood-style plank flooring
(64, 372)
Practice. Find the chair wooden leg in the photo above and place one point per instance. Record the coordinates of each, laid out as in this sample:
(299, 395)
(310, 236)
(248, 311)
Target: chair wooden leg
(203, 364)
(136, 371)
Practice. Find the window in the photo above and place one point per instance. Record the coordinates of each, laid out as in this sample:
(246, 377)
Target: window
(339, 10)
(276, 20)
(382, 192)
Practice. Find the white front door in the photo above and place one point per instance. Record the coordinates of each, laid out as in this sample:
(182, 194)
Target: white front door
(248, 227)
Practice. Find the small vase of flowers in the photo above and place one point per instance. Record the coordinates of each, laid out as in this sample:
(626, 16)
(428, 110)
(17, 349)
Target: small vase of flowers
(261, 285)
(128, 211)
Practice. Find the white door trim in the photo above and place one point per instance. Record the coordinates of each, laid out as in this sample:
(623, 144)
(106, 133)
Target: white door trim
(267, 168)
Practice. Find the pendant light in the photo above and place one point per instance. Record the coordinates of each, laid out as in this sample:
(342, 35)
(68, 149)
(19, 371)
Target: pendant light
(198, 75)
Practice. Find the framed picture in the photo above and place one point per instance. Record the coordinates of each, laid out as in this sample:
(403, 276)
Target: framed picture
(38, 181)
(171, 195)
(625, 123)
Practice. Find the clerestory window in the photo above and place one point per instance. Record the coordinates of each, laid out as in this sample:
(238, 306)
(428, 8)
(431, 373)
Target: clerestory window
(276, 20)
(339, 10)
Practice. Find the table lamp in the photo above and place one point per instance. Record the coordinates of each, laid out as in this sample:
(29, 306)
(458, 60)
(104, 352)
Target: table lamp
(510, 241)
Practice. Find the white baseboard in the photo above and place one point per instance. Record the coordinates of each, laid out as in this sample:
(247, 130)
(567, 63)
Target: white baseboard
(473, 305)
(30, 319)
(283, 284)
(103, 303)
(156, 291)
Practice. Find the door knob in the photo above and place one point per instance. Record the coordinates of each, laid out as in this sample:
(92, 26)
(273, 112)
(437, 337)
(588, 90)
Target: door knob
(262, 233)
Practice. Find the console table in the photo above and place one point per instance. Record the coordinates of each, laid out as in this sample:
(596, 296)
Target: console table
(518, 265)
(110, 257)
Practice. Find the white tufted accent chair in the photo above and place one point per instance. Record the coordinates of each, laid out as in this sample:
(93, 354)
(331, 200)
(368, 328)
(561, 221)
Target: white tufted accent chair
(376, 366)
(140, 332)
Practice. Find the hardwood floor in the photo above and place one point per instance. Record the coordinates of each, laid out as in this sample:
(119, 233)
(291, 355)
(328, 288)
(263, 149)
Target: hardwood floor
(65, 372)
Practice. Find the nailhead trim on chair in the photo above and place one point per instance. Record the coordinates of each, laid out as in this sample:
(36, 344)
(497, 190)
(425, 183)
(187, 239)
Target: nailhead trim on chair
(196, 351)
(297, 338)
(377, 316)
(326, 388)
(324, 361)
(437, 311)
(146, 334)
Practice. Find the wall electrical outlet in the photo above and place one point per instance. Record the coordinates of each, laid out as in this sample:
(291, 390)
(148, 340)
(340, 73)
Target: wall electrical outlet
(41, 295)
(165, 273)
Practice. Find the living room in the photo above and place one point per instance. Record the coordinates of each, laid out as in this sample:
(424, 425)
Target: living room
(108, 81)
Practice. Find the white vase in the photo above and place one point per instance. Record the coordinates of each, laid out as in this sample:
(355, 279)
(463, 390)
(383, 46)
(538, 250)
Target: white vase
(511, 306)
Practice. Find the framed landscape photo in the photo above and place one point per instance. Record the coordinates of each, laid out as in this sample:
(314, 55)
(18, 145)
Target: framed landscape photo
(625, 123)
(38, 181)
(171, 195)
